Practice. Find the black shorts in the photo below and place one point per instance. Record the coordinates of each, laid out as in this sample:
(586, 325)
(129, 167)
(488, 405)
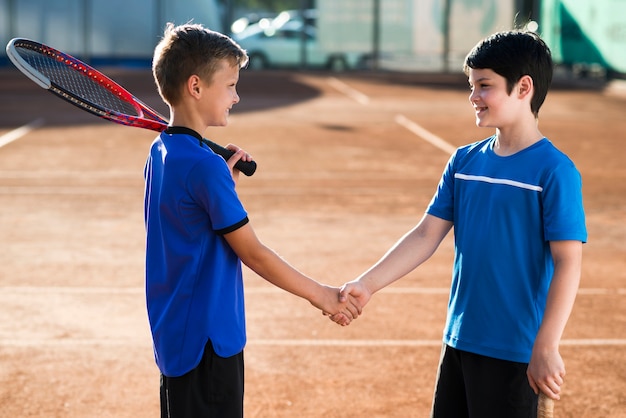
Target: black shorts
(213, 389)
(474, 386)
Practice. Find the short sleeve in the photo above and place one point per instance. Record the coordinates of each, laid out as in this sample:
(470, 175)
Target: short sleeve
(442, 203)
(212, 187)
(564, 215)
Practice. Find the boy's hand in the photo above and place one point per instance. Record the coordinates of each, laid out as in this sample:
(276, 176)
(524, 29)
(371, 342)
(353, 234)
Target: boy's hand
(356, 291)
(546, 371)
(356, 294)
(239, 154)
(343, 312)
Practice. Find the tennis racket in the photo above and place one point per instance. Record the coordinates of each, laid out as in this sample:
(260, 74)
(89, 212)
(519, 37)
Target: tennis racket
(90, 90)
(545, 406)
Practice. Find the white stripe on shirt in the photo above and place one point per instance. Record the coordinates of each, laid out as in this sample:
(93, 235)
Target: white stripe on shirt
(498, 181)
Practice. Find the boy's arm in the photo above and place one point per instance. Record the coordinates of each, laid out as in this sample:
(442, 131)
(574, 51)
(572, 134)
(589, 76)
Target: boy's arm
(410, 251)
(546, 369)
(270, 266)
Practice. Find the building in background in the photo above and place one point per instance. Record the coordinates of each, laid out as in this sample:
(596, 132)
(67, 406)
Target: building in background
(412, 35)
(111, 32)
(586, 36)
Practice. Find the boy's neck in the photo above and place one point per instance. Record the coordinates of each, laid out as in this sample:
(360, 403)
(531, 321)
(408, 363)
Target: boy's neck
(186, 119)
(514, 139)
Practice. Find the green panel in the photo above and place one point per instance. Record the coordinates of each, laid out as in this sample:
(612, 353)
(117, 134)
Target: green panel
(576, 46)
(586, 32)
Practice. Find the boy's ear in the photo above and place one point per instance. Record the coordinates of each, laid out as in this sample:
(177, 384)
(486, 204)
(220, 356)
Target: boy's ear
(525, 86)
(193, 86)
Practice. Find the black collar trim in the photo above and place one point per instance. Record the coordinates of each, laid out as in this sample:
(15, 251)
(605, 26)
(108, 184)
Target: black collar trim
(172, 130)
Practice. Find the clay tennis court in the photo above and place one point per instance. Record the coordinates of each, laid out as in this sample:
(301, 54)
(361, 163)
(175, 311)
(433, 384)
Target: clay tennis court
(345, 168)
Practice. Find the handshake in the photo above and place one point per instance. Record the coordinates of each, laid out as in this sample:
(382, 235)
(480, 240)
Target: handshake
(343, 304)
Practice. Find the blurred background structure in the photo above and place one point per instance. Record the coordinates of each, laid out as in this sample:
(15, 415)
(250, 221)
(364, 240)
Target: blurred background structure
(588, 38)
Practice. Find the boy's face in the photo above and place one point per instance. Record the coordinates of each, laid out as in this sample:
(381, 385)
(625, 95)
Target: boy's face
(494, 107)
(219, 96)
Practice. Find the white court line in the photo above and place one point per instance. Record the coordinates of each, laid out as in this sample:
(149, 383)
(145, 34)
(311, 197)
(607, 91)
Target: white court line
(62, 174)
(68, 191)
(346, 343)
(438, 291)
(72, 342)
(592, 342)
(400, 119)
(601, 291)
(411, 343)
(77, 290)
(19, 132)
(424, 134)
(71, 290)
(354, 94)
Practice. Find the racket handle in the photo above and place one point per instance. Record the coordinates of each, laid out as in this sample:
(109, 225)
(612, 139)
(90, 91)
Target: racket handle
(246, 167)
(545, 406)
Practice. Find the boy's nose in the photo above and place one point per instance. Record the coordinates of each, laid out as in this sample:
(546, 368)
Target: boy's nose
(473, 97)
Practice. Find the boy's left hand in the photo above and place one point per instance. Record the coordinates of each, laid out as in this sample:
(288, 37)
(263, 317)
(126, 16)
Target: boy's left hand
(546, 371)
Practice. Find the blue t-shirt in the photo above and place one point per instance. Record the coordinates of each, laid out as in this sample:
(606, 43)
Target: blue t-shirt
(194, 285)
(505, 212)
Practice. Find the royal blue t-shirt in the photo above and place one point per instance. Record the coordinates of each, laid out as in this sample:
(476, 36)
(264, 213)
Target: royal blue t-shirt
(505, 211)
(194, 286)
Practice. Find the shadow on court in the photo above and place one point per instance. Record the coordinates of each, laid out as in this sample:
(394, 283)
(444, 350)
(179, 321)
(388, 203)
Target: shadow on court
(22, 101)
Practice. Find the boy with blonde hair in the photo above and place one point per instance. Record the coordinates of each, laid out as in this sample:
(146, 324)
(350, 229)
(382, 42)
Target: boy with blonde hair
(198, 234)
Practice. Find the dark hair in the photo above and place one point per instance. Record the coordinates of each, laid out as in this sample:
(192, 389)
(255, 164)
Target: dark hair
(514, 54)
(191, 49)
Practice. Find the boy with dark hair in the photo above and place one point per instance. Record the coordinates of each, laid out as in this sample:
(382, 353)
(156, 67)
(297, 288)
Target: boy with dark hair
(515, 202)
(198, 233)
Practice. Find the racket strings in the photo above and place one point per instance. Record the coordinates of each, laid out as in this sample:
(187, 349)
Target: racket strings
(75, 80)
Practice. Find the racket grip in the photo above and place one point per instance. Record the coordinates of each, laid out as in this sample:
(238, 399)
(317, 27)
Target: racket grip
(246, 167)
(545, 406)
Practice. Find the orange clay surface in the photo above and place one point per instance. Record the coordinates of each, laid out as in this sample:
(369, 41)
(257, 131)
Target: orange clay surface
(339, 181)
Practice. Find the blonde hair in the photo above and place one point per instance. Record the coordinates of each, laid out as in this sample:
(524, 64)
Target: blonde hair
(191, 49)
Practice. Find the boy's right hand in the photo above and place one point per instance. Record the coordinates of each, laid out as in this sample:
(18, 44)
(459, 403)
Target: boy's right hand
(239, 154)
(356, 291)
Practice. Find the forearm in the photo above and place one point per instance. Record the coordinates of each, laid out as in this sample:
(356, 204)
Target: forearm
(273, 268)
(546, 370)
(410, 251)
(270, 266)
(561, 295)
